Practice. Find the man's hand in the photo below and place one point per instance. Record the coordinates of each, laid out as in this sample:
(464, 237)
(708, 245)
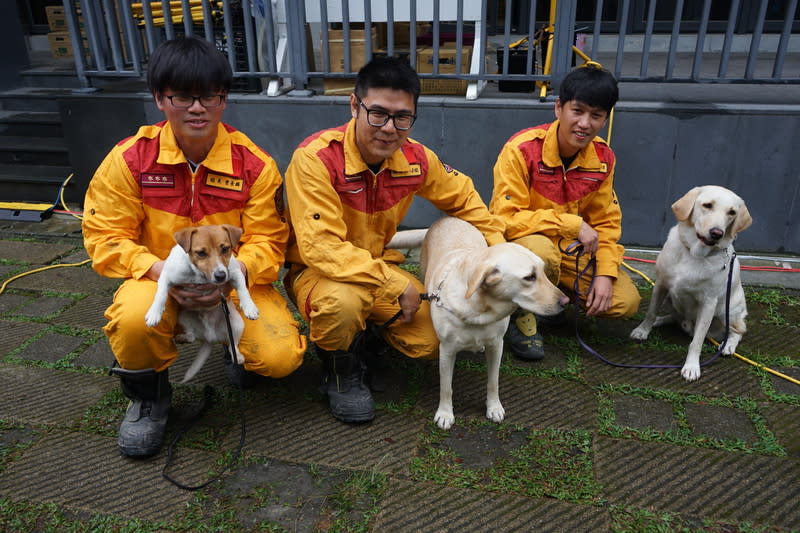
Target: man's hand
(588, 238)
(409, 302)
(197, 297)
(599, 298)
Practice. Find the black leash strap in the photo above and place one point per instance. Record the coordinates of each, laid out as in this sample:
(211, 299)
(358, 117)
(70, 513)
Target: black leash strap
(576, 249)
(208, 396)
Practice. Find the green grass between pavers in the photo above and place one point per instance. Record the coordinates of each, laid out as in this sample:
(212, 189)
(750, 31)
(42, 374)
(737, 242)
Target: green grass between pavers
(90, 337)
(773, 300)
(20, 516)
(550, 462)
(766, 444)
(632, 520)
(11, 447)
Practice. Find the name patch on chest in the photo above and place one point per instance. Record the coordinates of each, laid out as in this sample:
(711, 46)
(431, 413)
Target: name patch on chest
(229, 183)
(158, 180)
(413, 170)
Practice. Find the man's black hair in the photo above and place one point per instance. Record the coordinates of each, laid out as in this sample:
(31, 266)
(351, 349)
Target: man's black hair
(591, 85)
(387, 73)
(188, 65)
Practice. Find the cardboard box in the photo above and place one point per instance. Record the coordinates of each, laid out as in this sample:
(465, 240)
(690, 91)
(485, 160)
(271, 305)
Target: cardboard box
(447, 65)
(402, 33)
(61, 44)
(338, 86)
(358, 46)
(57, 18)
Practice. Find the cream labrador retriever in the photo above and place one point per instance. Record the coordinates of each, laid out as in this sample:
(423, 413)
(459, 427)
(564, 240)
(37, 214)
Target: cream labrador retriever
(473, 289)
(692, 272)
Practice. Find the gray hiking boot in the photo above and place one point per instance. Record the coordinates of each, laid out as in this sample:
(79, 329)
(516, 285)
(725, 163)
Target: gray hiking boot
(526, 342)
(349, 398)
(141, 432)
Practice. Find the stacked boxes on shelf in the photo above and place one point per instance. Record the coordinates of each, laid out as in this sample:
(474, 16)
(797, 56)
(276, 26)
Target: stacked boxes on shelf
(58, 37)
(448, 55)
(358, 46)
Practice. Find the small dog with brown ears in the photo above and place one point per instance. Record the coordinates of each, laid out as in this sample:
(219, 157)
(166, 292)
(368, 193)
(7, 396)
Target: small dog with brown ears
(203, 255)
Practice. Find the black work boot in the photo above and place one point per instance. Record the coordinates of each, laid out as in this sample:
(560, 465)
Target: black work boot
(370, 347)
(238, 377)
(141, 432)
(526, 342)
(349, 399)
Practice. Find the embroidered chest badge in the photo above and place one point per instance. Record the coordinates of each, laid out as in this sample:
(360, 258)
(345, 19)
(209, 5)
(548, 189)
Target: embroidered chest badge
(543, 169)
(230, 183)
(413, 170)
(158, 180)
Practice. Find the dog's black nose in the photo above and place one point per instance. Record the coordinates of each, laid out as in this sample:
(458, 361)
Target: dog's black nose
(716, 233)
(219, 277)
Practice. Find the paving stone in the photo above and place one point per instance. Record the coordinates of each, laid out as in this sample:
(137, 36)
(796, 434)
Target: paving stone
(17, 333)
(44, 306)
(294, 495)
(643, 413)
(414, 507)
(10, 302)
(529, 401)
(480, 448)
(784, 386)
(32, 252)
(98, 355)
(723, 423)
(784, 421)
(45, 396)
(14, 436)
(699, 482)
(68, 279)
(50, 347)
(86, 313)
(87, 472)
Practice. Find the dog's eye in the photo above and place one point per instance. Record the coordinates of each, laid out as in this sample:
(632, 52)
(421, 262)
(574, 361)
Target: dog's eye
(708, 205)
(202, 254)
(225, 250)
(732, 212)
(530, 278)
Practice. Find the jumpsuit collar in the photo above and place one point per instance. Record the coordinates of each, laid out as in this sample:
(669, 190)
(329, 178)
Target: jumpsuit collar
(218, 158)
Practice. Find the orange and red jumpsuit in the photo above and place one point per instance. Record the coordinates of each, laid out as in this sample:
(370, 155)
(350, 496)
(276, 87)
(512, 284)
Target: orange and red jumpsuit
(343, 215)
(543, 204)
(142, 193)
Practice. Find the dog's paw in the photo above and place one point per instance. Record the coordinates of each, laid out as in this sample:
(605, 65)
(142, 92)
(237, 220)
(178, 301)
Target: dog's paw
(444, 418)
(640, 333)
(153, 317)
(690, 372)
(495, 413)
(250, 311)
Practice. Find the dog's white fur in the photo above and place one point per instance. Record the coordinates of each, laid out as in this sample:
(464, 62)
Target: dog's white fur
(692, 272)
(478, 287)
(204, 255)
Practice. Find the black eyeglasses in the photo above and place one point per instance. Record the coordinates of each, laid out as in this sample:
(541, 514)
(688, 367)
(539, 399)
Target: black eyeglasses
(185, 101)
(378, 118)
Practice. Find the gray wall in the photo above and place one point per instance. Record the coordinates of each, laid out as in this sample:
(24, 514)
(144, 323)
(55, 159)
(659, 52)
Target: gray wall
(663, 149)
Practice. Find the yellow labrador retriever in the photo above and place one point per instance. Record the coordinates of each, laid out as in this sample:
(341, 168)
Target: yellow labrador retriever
(692, 272)
(474, 288)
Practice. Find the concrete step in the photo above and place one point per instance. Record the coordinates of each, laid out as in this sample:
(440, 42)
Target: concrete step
(30, 123)
(31, 183)
(29, 150)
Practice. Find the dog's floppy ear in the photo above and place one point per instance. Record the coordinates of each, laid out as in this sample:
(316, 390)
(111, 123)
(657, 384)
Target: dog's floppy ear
(234, 233)
(184, 238)
(742, 221)
(683, 207)
(488, 274)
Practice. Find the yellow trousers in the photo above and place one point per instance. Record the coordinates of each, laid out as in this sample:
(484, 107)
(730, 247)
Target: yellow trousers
(271, 345)
(338, 311)
(560, 269)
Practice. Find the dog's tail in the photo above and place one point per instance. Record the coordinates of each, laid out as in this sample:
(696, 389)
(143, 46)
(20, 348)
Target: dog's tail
(202, 354)
(410, 238)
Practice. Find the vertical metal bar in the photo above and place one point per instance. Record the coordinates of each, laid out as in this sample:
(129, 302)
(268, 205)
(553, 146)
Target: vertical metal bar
(701, 40)
(325, 51)
(648, 39)
(598, 21)
(208, 21)
(460, 35)
(249, 36)
(131, 36)
(531, 55)
(113, 35)
(564, 37)
(188, 20)
(435, 56)
(482, 51)
(295, 26)
(783, 44)
(149, 29)
(390, 28)
(412, 33)
(752, 57)
(346, 35)
(269, 23)
(91, 11)
(623, 32)
(72, 26)
(506, 37)
(726, 45)
(367, 30)
(169, 29)
(673, 39)
(230, 47)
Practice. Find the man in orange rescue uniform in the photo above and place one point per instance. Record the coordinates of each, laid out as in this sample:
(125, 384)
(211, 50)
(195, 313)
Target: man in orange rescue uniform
(188, 170)
(554, 184)
(348, 189)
